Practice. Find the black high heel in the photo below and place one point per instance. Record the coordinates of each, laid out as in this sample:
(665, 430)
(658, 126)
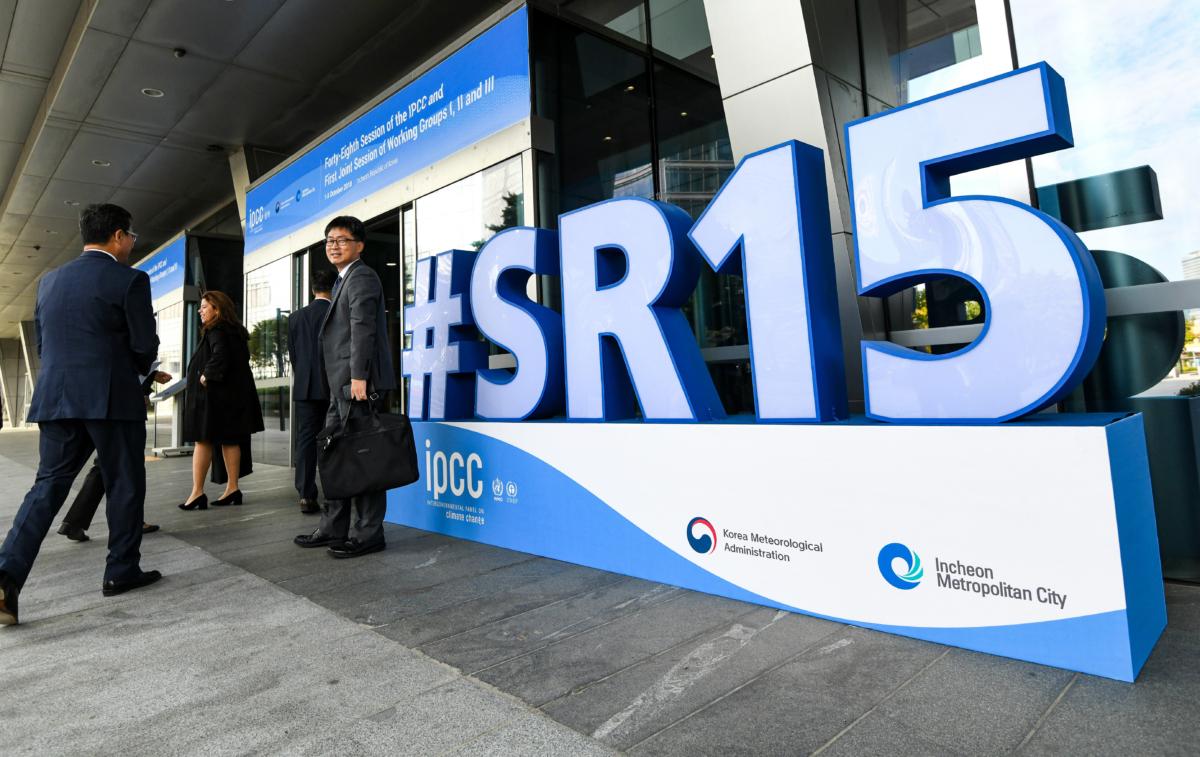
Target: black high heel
(199, 503)
(232, 499)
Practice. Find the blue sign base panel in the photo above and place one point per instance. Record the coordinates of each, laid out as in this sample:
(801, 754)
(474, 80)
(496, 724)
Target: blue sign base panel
(1034, 540)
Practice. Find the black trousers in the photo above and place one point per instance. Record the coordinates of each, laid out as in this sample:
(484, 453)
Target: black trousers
(309, 419)
(368, 510)
(87, 501)
(64, 448)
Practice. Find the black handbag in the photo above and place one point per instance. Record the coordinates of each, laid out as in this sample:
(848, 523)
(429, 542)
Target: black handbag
(366, 452)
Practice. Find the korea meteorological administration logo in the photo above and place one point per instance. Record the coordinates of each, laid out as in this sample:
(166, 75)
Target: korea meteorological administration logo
(702, 538)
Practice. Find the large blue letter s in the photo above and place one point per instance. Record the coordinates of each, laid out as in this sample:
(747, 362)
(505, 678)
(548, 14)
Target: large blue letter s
(1044, 300)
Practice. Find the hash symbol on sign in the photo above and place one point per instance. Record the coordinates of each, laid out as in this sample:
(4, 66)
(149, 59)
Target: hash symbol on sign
(445, 353)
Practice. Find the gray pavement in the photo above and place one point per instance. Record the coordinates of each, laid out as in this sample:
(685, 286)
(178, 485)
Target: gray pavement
(441, 646)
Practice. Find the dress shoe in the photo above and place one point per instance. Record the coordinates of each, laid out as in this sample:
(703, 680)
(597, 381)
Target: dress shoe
(8, 602)
(72, 533)
(233, 498)
(309, 507)
(317, 539)
(144, 578)
(355, 548)
(199, 503)
(149, 528)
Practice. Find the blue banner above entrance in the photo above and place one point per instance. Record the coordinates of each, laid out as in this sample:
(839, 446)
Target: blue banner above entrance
(478, 91)
(166, 268)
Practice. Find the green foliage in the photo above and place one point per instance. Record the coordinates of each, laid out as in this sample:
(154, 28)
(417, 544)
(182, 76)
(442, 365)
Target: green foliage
(268, 342)
(1191, 390)
(920, 314)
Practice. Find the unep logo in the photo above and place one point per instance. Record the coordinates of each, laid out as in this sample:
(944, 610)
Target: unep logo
(701, 535)
(911, 577)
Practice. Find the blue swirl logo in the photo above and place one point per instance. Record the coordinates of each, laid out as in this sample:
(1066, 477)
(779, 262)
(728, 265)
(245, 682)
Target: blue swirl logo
(701, 535)
(912, 575)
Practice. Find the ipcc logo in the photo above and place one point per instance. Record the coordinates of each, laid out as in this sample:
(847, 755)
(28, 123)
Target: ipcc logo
(455, 473)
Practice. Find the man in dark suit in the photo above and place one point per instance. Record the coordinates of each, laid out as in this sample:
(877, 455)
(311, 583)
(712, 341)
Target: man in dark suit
(358, 368)
(89, 398)
(309, 393)
(79, 517)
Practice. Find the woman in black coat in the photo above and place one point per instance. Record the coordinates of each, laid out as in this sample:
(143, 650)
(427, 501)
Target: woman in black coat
(221, 406)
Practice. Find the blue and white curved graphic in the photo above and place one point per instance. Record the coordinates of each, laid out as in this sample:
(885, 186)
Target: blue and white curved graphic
(774, 519)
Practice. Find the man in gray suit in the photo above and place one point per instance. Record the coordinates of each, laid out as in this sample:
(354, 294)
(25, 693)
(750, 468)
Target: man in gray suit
(358, 368)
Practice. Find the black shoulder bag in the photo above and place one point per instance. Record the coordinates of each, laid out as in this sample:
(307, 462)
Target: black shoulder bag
(366, 452)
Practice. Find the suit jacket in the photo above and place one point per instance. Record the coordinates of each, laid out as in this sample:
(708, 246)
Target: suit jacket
(95, 332)
(354, 334)
(304, 326)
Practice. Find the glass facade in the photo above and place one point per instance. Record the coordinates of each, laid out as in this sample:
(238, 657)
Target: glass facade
(170, 322)
(268, 304)
(642, 117)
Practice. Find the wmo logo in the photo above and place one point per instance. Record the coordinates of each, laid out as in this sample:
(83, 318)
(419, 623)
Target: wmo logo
(701, 535)
(911, 577)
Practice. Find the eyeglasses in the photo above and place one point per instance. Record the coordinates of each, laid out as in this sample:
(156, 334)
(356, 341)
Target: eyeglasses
(131, 234)
(339, 241)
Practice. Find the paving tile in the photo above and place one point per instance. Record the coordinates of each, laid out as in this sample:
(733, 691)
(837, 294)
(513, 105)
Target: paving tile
(1157, 714)
(424, 576)
(880, 735)
(799, 707)
(434, 721)
(573, 660)
(517, 635)
(457, 591)
(625, 708)
(986, 704)
(540, 736)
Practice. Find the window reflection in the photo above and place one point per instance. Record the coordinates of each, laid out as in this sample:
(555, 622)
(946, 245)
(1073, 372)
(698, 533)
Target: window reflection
(464, 215)
(918, 43)
(598, 95)
(624, 17)
(268, 303)
(679, 29)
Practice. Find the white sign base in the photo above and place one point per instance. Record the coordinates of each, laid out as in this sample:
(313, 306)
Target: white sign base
(1034, 540)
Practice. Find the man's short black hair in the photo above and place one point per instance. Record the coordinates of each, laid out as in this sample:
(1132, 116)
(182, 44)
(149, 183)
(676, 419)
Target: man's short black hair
(322, 279)
(97, 223)
(350, 224)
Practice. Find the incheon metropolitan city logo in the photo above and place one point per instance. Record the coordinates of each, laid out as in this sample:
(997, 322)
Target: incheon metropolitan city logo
(912, 575)
(701, 535)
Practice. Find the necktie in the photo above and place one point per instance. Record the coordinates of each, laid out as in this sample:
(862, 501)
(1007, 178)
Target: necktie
(336, 286)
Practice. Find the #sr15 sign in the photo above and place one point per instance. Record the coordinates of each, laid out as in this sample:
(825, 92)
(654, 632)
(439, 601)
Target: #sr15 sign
(627, 266)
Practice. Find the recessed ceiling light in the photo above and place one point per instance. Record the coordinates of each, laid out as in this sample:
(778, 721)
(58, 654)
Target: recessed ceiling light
(72, 203)
(683, 113)
(630, 88)
(392, 265)
(152, 92)
(608, 139)
(101, 163)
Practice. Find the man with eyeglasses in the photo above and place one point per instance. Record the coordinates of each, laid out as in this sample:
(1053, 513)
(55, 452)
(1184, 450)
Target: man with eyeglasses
(358, 368)
(89, 398)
